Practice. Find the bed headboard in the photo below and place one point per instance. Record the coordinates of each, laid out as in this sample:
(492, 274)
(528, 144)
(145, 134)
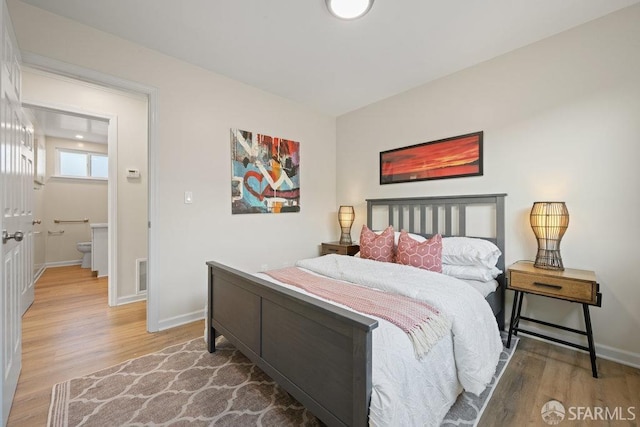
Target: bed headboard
(480, 216)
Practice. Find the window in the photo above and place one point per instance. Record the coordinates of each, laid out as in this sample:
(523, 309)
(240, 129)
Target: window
(82, 164)
(99, 166)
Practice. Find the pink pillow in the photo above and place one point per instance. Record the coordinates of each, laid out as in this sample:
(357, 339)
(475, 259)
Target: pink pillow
(378, 247)
(426, 255)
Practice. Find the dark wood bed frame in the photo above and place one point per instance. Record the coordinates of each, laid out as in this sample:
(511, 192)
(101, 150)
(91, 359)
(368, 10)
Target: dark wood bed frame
(320, 353)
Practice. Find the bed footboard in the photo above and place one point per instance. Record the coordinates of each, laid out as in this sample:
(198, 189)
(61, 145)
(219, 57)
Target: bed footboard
(319, 353)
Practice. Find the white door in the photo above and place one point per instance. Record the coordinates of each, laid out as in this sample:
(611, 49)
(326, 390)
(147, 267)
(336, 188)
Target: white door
(16, 188)
(25, 211)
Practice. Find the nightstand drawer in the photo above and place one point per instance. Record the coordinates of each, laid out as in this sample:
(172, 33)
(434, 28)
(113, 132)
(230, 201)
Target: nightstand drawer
(330, 249)
(340, 249)
(570, 289)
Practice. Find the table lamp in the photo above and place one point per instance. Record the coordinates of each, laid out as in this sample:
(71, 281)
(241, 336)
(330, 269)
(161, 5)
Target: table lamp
(549, 221)
(346, 215)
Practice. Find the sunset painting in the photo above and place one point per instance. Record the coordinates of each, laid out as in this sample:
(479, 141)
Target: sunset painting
(453, 157)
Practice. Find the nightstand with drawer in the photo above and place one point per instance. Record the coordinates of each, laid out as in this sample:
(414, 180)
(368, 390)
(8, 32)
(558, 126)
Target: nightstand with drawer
(572, 285)
(339, 248)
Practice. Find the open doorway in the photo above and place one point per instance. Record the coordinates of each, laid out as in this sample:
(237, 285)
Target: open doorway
(111, 122)
(71, 210)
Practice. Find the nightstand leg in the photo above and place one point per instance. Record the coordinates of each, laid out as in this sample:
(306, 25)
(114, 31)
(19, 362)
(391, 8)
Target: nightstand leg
(513, 317)
(592, 349)
(517, 320)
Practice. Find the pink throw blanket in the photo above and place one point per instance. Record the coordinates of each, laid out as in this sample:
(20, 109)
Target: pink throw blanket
(424, 324)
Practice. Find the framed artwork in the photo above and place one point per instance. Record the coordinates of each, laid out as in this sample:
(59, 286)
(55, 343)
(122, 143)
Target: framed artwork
(265, 173)
(453, 157)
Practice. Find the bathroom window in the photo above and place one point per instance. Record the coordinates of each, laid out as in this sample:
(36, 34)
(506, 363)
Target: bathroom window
(82, 164)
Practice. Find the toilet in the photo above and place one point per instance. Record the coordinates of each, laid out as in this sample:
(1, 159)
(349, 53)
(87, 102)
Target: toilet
(85, 248)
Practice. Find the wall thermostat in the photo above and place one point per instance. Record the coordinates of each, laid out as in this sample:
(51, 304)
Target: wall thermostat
(133, 173)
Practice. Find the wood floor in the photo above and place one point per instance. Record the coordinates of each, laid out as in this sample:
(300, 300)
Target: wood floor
(540, 372)
(70, 331)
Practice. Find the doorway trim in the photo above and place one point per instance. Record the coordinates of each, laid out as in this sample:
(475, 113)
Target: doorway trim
(91, 76)
(112, 183)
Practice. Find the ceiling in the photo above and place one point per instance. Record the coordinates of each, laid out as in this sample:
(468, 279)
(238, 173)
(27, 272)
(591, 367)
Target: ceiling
(60, 124)
(297, 50)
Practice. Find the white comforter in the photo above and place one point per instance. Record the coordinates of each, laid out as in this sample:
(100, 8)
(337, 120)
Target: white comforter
(407, 391)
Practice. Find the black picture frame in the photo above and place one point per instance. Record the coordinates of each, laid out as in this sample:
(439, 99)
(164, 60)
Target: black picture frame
(454, 157)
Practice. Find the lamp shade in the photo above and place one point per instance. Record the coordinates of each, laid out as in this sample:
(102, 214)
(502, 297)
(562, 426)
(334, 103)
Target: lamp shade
(346, 215)
(549, 221)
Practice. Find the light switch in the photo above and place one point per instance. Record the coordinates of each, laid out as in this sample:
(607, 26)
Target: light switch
(188, 197)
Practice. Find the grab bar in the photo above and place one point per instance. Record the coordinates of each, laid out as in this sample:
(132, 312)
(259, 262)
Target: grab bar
(55, 233)
(59, 221)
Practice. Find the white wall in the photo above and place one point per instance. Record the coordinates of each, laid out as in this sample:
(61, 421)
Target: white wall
(131, 113)
(197, 109)
(69, 199)
(560, 122)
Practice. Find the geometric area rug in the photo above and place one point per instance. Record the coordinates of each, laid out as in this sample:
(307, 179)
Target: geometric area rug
(185, 385)
(468, 407)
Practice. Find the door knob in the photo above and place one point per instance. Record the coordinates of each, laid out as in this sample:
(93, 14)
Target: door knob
(18, 235)
(36, 221)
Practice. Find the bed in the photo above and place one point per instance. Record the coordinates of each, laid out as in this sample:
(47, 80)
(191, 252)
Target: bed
(319, 352)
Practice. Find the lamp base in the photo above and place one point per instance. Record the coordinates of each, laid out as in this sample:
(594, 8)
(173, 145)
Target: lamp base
(345, 238)
(548, 259)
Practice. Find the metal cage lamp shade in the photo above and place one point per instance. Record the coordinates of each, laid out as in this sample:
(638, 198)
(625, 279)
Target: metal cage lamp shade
(549, 221)
(346, 215)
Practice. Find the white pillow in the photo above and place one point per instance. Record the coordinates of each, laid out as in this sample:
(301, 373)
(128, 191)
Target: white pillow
(469, 251)
(418, 238)
(396, 237)
(469, 272)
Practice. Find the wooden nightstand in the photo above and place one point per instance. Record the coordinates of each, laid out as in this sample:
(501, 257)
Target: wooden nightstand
(578, 286)
(338, 248)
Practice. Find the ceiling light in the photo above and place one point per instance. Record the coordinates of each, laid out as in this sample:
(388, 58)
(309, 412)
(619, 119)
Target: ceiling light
(79, 137)
(349, 9)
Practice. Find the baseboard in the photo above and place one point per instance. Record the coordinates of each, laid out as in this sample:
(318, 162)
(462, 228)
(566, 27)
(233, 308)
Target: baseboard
(39, 273)
(63, 263)
(617, 355)
(172, 322)
(131, 299)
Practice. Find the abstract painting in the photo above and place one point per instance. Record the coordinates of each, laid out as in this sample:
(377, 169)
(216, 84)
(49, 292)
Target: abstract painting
(265, 173)
(453, 157)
